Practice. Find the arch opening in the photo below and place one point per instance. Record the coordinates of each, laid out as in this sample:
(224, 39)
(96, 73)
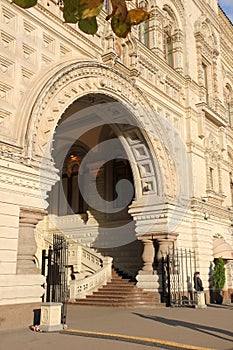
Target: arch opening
(103, 168)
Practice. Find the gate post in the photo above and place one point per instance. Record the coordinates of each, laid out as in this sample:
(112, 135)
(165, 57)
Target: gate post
(51, 317)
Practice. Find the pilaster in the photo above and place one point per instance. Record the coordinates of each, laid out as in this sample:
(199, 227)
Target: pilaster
(27, 247)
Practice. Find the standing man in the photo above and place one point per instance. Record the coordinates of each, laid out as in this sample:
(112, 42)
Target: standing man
(198, 282)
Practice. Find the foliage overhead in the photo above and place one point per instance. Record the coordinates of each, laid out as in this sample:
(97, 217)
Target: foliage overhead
(84, 12)
(219, 277)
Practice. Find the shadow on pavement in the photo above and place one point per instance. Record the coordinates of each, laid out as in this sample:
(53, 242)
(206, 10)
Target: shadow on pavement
(193, 326)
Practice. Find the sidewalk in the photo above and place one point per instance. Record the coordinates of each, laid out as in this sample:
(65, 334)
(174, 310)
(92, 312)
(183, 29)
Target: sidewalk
(211, 327)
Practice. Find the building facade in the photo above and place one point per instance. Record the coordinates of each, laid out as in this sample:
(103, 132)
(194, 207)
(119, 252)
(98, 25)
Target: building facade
(154, 109)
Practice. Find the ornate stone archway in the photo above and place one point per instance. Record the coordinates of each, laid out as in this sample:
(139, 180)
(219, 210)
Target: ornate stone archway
(77, 80)
(156, 174)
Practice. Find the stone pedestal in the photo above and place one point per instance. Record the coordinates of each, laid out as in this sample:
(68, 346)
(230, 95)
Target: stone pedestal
(199, 298)
(51, 317)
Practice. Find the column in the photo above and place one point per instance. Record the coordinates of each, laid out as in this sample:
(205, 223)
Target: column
(146, 279)
(156, 33)
(27, 247)
(166, 243)
(148, 256)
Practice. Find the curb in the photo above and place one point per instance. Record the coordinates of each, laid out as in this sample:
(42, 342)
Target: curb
(137, 340)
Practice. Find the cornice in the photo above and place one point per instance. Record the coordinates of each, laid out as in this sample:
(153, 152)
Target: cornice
(214, 210)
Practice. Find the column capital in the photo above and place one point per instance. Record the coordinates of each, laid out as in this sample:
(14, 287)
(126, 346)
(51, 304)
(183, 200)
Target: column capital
(31, 215)
(165, 236)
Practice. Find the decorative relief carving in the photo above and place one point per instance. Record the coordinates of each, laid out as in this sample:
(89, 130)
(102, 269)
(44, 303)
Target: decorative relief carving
(6, 66)
(4, 116)
(64, 50)
(49, 43)
(7, 41)
(72, 82)
(19, 180)
(29, 30)
(28, 53)
(26, 75)
(8, 17)
(5, 92)
(46, 60)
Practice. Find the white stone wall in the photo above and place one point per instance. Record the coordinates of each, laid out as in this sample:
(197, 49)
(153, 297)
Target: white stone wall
(36, 52)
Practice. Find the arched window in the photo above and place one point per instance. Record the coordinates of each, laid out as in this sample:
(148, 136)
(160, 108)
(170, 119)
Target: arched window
(228, 98)
(207, 58)
(168, 47)
(172, 39)
(205, 83)
(231, 187)
(143, 28)
(71, 180)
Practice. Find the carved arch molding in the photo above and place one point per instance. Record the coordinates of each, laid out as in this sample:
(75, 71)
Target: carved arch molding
(156, 165)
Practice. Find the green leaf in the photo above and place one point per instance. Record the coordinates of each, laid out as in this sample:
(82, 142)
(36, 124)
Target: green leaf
(90, 8)
(88, 25)
(120, 26)
(71, 11)
(25, 3)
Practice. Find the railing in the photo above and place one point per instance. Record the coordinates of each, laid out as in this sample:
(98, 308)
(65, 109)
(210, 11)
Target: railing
(90, 270)
(81, 257)
(86, 286)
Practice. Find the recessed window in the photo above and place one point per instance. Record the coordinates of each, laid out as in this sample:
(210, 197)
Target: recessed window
(211, 178)
(168, 49)
(204, 83)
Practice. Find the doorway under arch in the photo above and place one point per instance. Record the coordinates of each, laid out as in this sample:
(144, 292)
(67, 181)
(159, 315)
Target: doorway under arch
(72, 202)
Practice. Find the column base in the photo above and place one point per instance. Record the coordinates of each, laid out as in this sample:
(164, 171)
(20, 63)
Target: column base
(148, 282)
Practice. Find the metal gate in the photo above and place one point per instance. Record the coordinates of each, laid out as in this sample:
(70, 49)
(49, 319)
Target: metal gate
(54, 267)
(178, 268)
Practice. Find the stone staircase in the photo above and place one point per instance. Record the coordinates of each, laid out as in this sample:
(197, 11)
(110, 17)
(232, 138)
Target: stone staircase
(120, 292)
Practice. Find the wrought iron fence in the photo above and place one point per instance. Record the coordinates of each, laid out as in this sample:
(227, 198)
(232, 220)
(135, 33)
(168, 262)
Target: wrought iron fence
(178, 268)
(54, 267)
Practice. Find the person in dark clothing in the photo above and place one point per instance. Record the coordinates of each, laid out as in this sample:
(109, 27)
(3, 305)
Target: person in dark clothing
(198, 282)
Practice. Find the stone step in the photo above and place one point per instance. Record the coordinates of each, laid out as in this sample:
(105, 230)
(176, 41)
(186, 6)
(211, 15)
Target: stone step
(98, 295)
(110, 303)
(121, 291)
